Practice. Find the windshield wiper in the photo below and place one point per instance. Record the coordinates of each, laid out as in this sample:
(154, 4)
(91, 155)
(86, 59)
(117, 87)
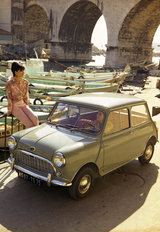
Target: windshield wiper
(56, 124)
(80, 129)
(71, 127)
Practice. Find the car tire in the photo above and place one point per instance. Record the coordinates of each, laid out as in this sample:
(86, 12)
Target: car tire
(82, 183)
(148, 153)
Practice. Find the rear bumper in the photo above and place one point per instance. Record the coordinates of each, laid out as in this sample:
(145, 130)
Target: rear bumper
(47, 179)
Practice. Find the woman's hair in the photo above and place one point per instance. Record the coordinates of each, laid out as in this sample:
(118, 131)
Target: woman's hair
(15, 67)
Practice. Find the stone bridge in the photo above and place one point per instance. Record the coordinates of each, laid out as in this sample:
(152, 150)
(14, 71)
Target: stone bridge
(66, 26)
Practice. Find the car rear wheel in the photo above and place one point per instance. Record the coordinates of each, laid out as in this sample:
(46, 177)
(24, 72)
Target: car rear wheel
(148, 153)
(82, 183)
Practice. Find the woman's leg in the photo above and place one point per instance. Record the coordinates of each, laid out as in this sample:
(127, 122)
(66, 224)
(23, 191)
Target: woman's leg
(30, 114)
(25, 115)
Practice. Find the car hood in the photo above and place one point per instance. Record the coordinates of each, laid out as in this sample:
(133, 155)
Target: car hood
(47, 139)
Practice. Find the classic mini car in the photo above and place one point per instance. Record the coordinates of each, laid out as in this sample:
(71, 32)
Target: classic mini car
(85, 136)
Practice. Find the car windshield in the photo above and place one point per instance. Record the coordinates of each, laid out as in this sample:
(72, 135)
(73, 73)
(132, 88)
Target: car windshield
(77, 118)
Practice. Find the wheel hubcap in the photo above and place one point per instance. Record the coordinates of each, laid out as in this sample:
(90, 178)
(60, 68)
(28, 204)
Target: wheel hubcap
(148, 152)
(84, 184)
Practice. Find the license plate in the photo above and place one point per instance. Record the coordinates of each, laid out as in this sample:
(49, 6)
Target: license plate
(30, 178)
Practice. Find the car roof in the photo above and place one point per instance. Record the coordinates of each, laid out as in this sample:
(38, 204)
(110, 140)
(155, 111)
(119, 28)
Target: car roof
(102, 99)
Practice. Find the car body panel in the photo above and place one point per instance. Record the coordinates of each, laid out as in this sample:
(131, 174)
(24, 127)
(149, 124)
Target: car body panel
(105, 151)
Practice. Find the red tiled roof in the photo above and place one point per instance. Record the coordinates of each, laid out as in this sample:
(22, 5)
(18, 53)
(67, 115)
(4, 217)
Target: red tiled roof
(3, 32)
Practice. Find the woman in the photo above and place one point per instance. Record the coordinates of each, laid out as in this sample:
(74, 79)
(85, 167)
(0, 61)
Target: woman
(18, 97)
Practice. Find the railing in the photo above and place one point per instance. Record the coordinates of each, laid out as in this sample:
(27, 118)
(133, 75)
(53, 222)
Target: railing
(8, 125)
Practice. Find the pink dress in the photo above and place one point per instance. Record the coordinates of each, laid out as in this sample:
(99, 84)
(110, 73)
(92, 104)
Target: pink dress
(18, 100)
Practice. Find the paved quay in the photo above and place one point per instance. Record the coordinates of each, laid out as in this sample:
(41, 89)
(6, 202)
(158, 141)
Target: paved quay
(127, 200)
(147, 217)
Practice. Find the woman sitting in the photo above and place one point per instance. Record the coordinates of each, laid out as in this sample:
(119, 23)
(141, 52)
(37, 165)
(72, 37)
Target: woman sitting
(18, 97)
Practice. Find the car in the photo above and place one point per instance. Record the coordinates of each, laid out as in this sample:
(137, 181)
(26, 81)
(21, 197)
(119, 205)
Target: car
(85, 136)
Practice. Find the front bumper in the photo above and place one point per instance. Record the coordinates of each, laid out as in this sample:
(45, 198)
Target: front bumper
(47, 179)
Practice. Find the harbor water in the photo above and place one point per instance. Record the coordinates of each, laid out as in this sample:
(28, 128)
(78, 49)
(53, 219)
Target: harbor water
(97, 61)
(100, 60)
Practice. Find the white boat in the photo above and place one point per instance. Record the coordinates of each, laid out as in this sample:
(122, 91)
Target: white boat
(73, 75)
(3, 79)
(82, 74)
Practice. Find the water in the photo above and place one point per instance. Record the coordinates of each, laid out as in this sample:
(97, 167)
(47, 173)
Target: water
(98, 61)
(156, 60)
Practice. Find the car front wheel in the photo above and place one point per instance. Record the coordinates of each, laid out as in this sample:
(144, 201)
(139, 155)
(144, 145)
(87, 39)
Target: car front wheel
(82, 183)
(148, 153)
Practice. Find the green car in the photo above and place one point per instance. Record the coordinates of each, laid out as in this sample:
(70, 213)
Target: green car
(85, 136)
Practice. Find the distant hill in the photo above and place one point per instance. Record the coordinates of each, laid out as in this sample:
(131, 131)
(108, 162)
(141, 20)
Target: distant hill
(96, 51)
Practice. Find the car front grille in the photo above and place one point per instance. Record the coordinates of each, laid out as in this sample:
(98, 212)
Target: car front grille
(33, 162)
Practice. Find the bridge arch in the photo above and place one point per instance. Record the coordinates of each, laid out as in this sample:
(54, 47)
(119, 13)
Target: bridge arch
(36, 25)
(76, 30)
(79, 21)
(137, 33)
(68, 27)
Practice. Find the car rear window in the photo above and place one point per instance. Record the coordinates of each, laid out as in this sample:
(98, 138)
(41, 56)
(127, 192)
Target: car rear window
(139, 114)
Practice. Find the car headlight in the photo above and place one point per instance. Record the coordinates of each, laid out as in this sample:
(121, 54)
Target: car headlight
(59, 160)
(12, 142)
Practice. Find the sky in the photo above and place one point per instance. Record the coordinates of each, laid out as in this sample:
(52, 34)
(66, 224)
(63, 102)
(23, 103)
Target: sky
(99, 35)
(157, 36)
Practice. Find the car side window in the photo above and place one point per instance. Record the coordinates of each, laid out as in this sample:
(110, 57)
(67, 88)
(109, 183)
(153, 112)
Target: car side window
(117, 121)
(139, 114)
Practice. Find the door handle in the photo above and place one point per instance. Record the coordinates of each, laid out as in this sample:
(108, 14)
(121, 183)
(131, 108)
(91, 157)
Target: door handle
(128, 133)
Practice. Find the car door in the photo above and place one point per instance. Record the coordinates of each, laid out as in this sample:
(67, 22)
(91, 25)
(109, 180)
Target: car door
(117, 141)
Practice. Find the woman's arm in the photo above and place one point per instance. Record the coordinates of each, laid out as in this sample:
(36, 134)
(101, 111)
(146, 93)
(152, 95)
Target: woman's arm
(9, 97)
(26, 97)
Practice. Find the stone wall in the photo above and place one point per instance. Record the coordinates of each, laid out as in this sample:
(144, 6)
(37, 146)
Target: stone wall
(68, 27)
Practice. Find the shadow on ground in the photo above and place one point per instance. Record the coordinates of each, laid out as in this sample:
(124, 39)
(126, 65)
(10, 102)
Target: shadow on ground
(26, 207)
